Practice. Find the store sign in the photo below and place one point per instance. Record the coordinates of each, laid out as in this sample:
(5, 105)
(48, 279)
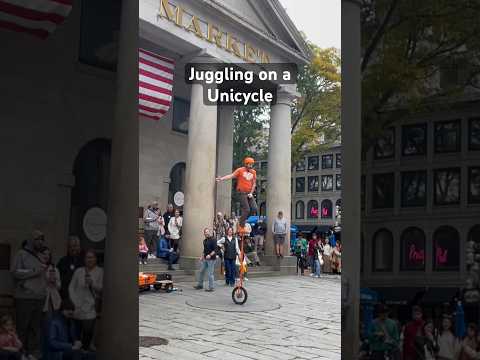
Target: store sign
(212, 33)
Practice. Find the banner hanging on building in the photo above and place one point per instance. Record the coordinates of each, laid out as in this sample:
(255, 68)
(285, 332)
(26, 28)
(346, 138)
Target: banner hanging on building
(35, 17)
(155, 84)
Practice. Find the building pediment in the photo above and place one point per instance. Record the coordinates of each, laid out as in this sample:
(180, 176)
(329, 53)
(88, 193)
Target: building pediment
(231, 30)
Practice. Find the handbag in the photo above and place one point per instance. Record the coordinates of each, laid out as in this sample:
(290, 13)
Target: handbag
(320, 258)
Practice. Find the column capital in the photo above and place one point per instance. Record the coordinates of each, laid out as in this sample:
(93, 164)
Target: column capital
(199, 57)
(286, 94)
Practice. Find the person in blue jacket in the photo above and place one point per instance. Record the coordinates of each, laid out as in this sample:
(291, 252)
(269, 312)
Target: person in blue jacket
(167, 253)
(61, 340)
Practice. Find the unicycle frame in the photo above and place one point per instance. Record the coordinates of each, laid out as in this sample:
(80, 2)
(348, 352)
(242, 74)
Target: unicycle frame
(239, 290)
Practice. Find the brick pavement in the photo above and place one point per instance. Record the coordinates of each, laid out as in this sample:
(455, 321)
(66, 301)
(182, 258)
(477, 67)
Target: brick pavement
(285, 318)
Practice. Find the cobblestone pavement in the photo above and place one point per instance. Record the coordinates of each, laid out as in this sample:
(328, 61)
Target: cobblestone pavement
(284, 318)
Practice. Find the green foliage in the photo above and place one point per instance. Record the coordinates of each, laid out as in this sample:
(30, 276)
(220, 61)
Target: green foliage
(405, 44)
(248, 135)
(316, 113)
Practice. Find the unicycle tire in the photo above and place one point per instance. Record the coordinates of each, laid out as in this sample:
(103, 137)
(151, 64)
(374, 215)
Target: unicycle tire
(239, 295)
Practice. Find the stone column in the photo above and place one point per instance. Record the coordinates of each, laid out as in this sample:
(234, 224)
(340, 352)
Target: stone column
(120, 290)
(199, 177)
(279, 166)
(351, 175)
(225, 158)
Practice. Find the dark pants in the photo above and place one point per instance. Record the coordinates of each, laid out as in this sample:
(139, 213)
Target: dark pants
(230, 271)
(249, 207)
(29, 315)
(300, 262)
(172, 258)
(142, 256)
(151, 238)
(86, 329)
(10, 355)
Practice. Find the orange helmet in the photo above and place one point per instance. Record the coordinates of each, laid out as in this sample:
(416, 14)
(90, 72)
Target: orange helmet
(248, 160)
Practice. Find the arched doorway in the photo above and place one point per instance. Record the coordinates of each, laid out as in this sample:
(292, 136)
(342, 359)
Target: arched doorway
(177, 182)
(89, 197)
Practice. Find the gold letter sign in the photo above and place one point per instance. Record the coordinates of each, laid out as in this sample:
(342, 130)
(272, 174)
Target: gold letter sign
(211, 33)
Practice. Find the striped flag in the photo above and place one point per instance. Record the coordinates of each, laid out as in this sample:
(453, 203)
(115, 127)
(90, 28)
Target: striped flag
(155, 84)
(35, 17)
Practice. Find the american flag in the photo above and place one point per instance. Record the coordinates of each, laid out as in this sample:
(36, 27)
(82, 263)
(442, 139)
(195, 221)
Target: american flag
(155, 84)
(35, 17)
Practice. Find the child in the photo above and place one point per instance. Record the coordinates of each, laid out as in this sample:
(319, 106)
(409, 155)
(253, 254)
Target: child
(142, 251)
(11, 348)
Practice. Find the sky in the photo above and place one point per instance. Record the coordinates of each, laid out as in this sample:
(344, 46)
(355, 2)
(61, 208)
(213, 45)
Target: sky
(318, 19)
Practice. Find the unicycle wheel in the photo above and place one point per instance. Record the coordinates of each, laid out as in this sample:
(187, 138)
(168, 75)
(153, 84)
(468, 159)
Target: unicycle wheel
(239, 295)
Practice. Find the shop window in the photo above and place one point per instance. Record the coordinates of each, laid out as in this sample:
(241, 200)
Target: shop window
(327, 161)
(313, 163)
(338, 181)
(300, 166)
(264, 168)
(99, 30)
(300, 185)
(382, 259)
(385, 145)
(263, 209)
(414, 140)
(412, 249)
(446, 249)
(447, 136)
(383, 190)
(363, 189)
(474, 185)
(474, 234)
(181, 114)
(414, 185)
(263, 186)
(474, 134)
(300, 210)
(5, 256)
(338, 160)
(447, 186)
(327, 182)
(362, 252)
(312, 209)
(313, 183)
(326, 209)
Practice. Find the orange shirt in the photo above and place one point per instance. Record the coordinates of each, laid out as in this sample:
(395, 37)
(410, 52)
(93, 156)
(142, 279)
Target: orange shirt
(245, 179)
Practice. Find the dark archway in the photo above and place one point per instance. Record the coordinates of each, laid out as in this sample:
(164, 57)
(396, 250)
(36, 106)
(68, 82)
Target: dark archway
(382, 254)
(412, 249)
(177, 182)
(446, 248)
(91, 170)
(300, 210)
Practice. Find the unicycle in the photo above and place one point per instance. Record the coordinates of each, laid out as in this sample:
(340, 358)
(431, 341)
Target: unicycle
(239, 293)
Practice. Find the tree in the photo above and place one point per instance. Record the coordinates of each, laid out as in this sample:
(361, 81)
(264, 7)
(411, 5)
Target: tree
(416, 55)
(249, 136)
(316, 114)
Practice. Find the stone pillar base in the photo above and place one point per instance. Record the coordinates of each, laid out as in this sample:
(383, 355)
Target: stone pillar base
(189, 264)
(286, 265)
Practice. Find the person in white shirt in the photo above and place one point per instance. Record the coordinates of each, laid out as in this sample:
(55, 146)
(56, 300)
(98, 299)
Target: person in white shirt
(175, 228)
(448, 344)
(85, 291)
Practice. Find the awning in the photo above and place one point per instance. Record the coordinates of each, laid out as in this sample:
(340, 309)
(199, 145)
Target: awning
(411, 295)
(310, 229)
